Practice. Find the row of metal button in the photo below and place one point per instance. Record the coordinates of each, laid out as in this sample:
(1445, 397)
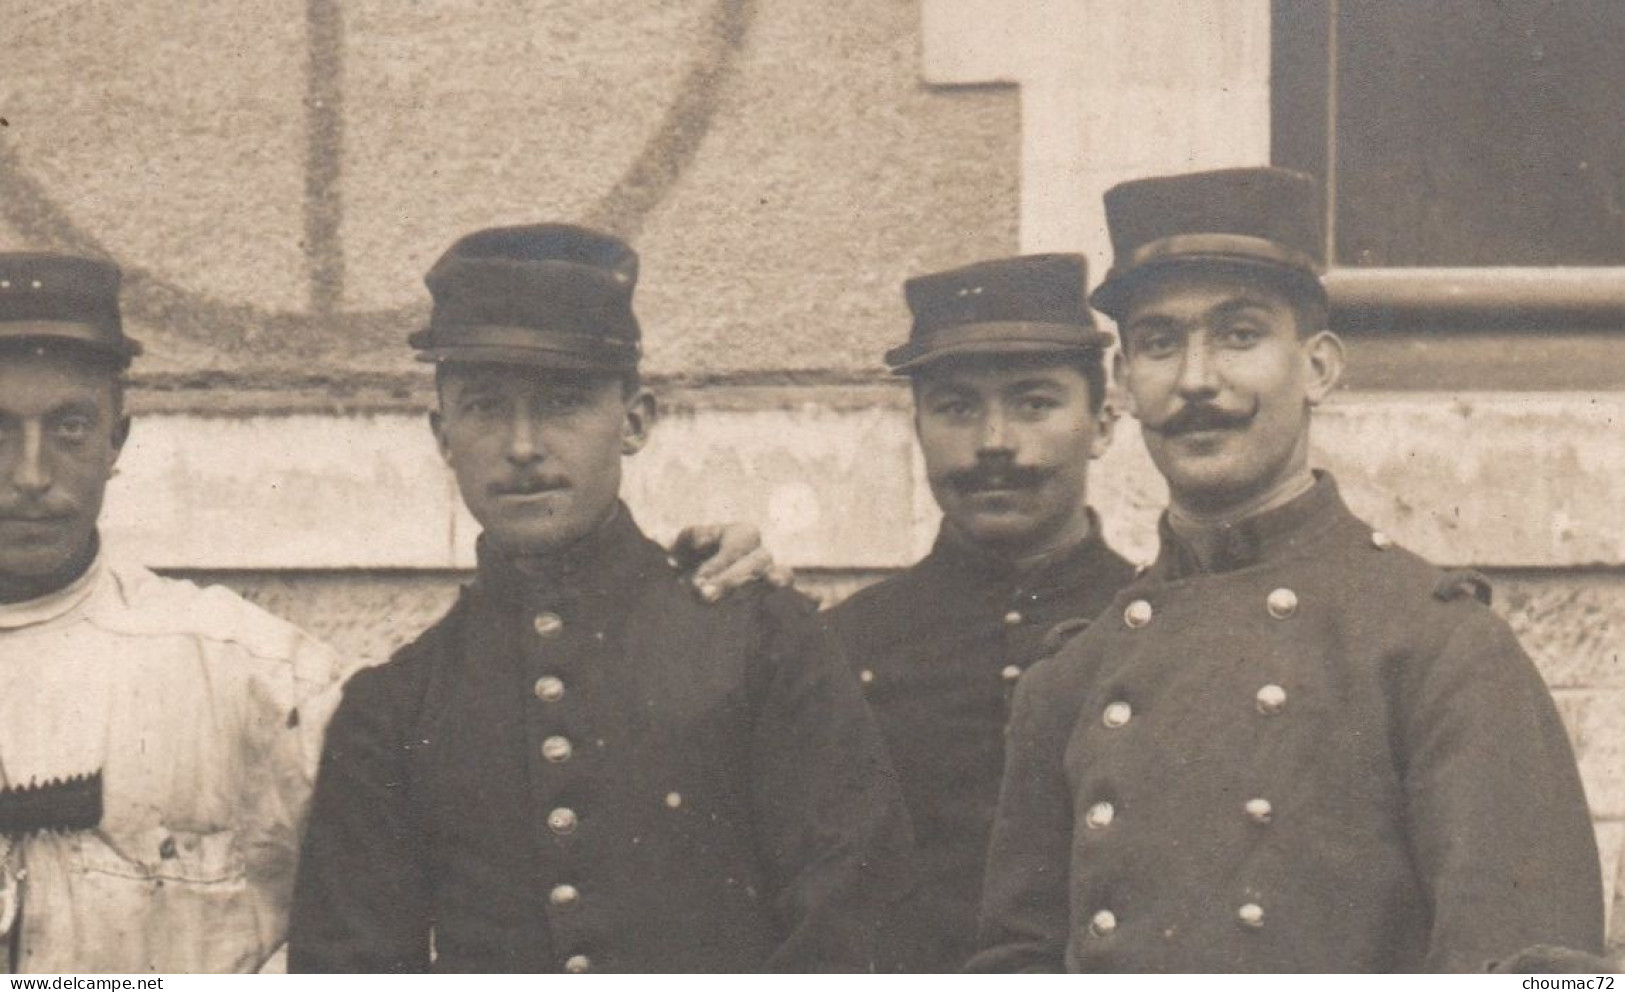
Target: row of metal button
(1100, 815)
(1270, 699)
(563, 820)
(1104, 922)
(1280, 604)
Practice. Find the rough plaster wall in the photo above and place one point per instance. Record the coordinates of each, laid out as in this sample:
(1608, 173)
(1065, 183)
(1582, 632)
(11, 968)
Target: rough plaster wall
(277, 177)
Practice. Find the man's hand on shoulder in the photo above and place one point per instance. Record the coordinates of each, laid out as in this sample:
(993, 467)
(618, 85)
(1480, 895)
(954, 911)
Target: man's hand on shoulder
(723, 557)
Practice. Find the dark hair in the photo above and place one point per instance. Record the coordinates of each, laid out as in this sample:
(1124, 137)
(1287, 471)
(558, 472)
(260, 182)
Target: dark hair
(1090, 363)
(1313, 313)
(1093, 366)
(114, 366)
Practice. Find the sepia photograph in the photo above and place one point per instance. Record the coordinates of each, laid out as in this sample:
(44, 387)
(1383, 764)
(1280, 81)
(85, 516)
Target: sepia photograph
(812, 486)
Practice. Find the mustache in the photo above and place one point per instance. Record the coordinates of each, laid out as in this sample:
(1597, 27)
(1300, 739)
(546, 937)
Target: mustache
(985, 477)
(1204, 417)
(528, 485)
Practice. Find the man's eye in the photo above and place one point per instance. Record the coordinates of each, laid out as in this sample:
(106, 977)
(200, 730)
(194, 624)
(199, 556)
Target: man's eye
(564, 402)
(1156, 345)
(73, 428)
(1240, 335)
(483, 406)
(952, 408)
(1037, 404)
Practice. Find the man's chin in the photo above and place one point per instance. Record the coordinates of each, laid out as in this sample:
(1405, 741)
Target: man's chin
(1212, 483)
(543, 533)
(39, 568)
(998, 530)
(25, 565)
(548, 539)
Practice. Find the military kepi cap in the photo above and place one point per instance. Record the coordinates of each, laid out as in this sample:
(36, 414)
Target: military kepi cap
(1031, 304)
(48, 299)
(551, 295)
(1264, 221)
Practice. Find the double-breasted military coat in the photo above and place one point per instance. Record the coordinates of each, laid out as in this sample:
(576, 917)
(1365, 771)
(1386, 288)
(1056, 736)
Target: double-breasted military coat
(1320, 753)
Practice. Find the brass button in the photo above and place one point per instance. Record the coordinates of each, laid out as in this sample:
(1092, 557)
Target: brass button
(547, 624)
(563, 895)
(1260, 810)
(1251, 915)
(1137, 614)
(1381, 541)
(1012, 619)
(1117, 714)
(1011, 672)
(1282, 603)
(549, 689)
(1099, 815)
(866, 677)
(557, 749)
(1271, 699)
(562, 821)
(674, 800)
(1103, 922)
(578, 964)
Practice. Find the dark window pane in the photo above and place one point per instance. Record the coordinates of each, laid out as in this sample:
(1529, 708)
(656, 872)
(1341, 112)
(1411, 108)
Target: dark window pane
(1468, 132)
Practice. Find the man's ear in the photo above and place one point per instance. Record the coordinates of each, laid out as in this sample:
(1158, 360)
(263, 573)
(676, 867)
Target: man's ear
(1323, 353)
(121, 433)
(639, 420)
(1119, 385)
(437, 426)
(1105, 420)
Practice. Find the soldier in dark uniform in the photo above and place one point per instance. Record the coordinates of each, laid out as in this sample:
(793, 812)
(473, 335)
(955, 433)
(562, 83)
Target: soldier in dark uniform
(583, 767)
(1008, 380)
(1291, 746)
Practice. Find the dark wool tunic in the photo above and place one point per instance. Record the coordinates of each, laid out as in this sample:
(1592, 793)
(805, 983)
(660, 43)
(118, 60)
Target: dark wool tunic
(591, 769)
(939, 648)
(1322, 754)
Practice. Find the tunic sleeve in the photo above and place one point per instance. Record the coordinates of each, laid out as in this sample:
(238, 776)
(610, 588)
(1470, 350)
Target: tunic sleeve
(290, 713)
(361, 900)
(1499, 826)
(830, 817)
(1025, 916)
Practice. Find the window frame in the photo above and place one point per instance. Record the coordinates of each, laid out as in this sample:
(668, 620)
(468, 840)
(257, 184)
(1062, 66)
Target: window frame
(1303, 87)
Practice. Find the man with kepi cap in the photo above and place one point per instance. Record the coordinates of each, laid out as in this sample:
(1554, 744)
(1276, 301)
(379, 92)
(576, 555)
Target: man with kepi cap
(1291, 745)
(583, 767)
(157, 740)
(1008, 378)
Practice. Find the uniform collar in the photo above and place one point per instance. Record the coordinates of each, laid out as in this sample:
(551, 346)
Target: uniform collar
(33, 612)
(1257, 538)
(609, 559)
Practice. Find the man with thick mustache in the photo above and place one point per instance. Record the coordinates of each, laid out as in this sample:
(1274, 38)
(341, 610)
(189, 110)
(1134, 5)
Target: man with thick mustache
(157, 741)
(1291, 745)
(1008, 379)
(583, 767)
